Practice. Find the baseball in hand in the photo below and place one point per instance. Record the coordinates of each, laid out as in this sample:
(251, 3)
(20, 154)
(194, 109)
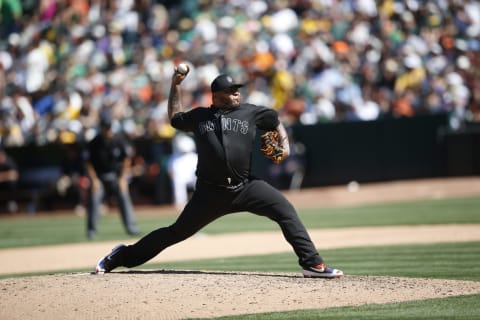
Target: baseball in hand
(182, 68)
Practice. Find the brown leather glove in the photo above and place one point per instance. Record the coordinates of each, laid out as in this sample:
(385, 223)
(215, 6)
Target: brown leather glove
(272, 146)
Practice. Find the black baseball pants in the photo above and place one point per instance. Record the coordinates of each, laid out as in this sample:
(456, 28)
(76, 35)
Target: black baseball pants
(209, 203)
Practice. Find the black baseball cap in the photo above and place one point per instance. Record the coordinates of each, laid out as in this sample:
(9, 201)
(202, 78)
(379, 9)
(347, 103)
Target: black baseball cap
(223, 82)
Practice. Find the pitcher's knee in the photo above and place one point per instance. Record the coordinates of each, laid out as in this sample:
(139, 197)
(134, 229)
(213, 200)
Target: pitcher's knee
(179, 234)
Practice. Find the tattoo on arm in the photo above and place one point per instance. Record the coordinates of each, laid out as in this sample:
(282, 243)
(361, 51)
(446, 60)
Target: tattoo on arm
(174, 104)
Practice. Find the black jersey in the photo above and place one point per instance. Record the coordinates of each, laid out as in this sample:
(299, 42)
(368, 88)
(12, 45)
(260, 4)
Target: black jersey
(107, 155)
(224, 138)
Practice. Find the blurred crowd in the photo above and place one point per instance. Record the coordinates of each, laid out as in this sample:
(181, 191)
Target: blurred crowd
(63, 61)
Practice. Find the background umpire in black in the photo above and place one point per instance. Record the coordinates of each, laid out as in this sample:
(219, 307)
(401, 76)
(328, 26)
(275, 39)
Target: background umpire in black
(107, 163)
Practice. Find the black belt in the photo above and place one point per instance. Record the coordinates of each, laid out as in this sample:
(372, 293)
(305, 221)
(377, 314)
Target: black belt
(229, 187)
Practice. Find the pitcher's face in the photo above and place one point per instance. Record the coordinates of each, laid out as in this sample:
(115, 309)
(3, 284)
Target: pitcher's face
(228, 98)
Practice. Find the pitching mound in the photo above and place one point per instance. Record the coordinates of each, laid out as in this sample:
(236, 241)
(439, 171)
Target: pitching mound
(167, 294)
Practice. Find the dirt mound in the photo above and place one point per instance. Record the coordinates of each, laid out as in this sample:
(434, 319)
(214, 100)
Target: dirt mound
(154, 294)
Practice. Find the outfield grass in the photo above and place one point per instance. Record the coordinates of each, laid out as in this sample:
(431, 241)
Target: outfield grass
(35, 231)
(453, 308)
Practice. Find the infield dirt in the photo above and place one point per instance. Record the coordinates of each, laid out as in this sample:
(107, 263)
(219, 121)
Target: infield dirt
(143, 293)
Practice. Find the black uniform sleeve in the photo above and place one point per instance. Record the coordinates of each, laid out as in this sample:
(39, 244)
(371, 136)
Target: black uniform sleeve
(267, 119)
(182, 121)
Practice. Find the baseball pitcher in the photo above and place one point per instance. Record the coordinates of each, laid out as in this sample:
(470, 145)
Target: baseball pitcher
(224, 134)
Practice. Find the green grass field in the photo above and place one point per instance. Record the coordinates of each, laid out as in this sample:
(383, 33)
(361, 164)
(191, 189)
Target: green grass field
(460, 261)
(43, 230)
(455, 308)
